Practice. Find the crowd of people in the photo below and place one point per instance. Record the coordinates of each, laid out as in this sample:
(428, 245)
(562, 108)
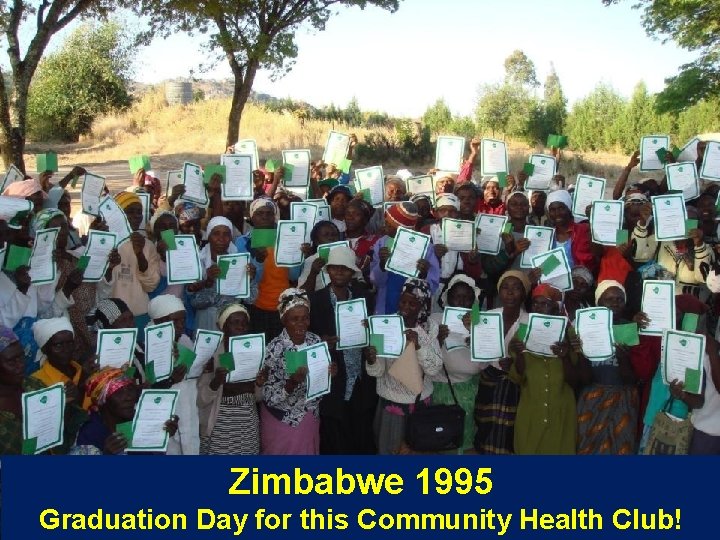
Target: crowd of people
(525, 403)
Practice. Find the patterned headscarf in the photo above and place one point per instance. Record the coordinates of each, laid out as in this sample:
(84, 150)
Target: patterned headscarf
(291, 298)
(262, 202)
(42, 218)
(7, 338)
(187, 211)
(126, 198)
(104, 383)
(108, 311)
(420, 289)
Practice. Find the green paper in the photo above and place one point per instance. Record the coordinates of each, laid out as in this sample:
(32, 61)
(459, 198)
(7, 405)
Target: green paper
(29, 446)
(529, 169)
(288, 172)
(690, 224)
(74, 181)
(168, 236)
(271, 165)
(475, 314)
(692, 381)
(661, 153)
(324, 253)
(186, 356)
(130, 372)
(522, 331)
(139, 162)
(389, 243)
(224, 266)
(676, 151)
(46, 162)
(345, 165)
(507, 228)
(690, 322)
(227, 361)
(263, 238)
(557, 141)
(621, 237)
(16, 257)
(502, 179)
(294, 360)
(83, 262)
(626, 334)
(150, 373)
(126, 430)
(562, 141)
(549, 264)
(367, 197)
(211, 170)
(378, 341)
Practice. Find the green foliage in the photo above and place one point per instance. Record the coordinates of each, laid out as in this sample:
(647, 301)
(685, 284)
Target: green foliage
(437, 117)
(409, 143)
(520, 70)
(86, 77)
(590, 125)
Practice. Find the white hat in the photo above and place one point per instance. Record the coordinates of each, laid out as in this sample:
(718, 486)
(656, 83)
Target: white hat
(164, 305)
(342, 256)
(404, 174)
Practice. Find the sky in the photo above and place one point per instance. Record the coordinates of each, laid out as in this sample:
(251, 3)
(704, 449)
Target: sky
(402, 62)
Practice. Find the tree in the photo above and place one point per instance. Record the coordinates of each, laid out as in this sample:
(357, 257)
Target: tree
(693, 25)
(555, 104)
(352, 115)
(437, 117)
(520, 70)
(589, 125)
(86, 77)
(494, 106)
(16, 19)
(250, 34)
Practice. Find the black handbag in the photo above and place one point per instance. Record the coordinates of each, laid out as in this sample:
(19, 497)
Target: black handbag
(436, 428)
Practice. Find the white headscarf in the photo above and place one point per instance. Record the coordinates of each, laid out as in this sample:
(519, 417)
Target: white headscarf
(559, 195)
(164, 305)
(605, 285)
(205, 255)
(45, 329)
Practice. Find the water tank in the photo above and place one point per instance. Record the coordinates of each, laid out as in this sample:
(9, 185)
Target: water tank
(178, 93)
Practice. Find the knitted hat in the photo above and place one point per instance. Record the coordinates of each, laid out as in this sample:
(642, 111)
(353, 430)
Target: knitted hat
(402, 214)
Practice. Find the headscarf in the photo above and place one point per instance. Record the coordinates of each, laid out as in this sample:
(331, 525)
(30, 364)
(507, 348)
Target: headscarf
(24, 188)
(187, 211)
(291, 298)
(126, 198)
(582, 272)
(559, 195)
(547, 291)
(447, 199)
(341, 190)
(107, 311)
(104, 383)
(42, 218)
(517, 274)
(228, 310)
(262, 202)
(218, 221)
(487, 179)
(7, 337)
(420, 289)
(164, 305)
(206, 252)
(45, 329)
(419, 196)
(459, 278)
(402, 214)
(54, 195)
(605, 285)
(157, 215)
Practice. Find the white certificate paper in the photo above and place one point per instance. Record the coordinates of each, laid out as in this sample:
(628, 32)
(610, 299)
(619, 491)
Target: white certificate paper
(238, 184)
(237, 281)
(194, 184)
(11, 206)
(543, 173)
(487, 338)
(683, 177)
(300, 161)
(351, 331)
(373, 179)
(649, 161)
(248, 354)
(290, 237)
(307, 213)
(560, 277)
(248, 147)
(99, 246)
(594, 327)
(493, 157)
(658, 303)
(449, 152)
(588, 189)
(682, 359)
(408, 248)
(452, 318)
(541, 240)
(154, 408)
(43, 413)
(160, 348)
(458, 235)
(543, 332)
(336, 148)
(711, 161)
(489, 230)
(42, 262)
(206, 343)
(606, 220)
(174, 178)
(421, 185)
(91, 192)
(317, 380)
(115, 219)
(183, 262)
(12, 175)
(669, 215)
(392, 328)
(689, 151)
(116, 348)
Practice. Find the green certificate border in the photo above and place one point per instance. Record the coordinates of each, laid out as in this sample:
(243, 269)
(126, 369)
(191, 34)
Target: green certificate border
(578, 318)
(238, 256)
(108, 333)
(120, 239)
(360, 301)
(58, 387)
(54, 232)
(528, 183)
(373, 327)
(152, 328)
(714, 147)
(409, 233)
(82, 192)
(438, 145)
(474, 357)
(248, 337)
(478, 221)
(657, 200)
(660, 283)
(578, 182)
(619, 204)
(285, 161)
(253, 153)
(280, 225)
(202, 202)
(15, 172)
(197, 260)
(690, 336)
(532, 317)
(329, 150)
(524, 263)
(642, 149)
(322, 345)
(484, 171)
(672, 166)
(169, 174)
(149, 394)
(223, 161)
(199, 335)
(97, 234)
(560, 253)
(430, 193)
(359, 183)
(447, 311)
(451, 221)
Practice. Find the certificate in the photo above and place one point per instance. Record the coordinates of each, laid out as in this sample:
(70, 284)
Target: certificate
(449, 153)
(116, 348)
(669, 215)
(10, 207)
(541, 240)
(408, 248)
(146, 204)
(543, 173)
(154, 408)
(392, 329)
(489, 233)
(711, 161)
(649, 161)
(42, 262)
(160, 348)
(248, 147)
(560, 276)
(300, 162)
(43, 413)
(658, 303)
(458, 234)
(682, 359)
(422, 185)
(594, 327)
(317, 380)
(237, 280)
(183, 262)
(91, 192)
(248, 354)
(12, 175)
(683, 177)
(206, 343)
(99, 246)
(588, 189)
(453, 319)
(606, 219)
(487, 338)
(543, 332)
(115, 219)
(194, 184)
(493, 157)
(336, 148)
(306, 213)
(372, 179)
(349, 323)
(689, 151)
(238, 184)
(174, 178)
(323, 213)
(290, 237)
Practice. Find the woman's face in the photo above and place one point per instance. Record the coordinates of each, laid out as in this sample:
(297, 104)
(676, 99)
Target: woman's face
(62, 237)
(614, 300)
(190, 227)
(165, 223)
(264, 218)
(12, 364)
(706, 209)
(355, 218)
(559, 214)
(491, 192)
(125, 320)
(340, 276)
(121, 404)
(518, 207)
(423, 208)
(544, 305)
(409, 308)
(338, 205)
(236, 324)
(134, 213)
(537, 201)
(468, 201)
(461, 295)
(327, 234)
(60, 347)
(394, 191)
(219, 239)
(511, 293)
(297, 321)
(580, 286)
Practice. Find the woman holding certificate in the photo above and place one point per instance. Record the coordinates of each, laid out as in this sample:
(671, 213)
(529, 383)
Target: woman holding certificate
(491, 201)
(357, 216)
(573, 237)
(396, 399)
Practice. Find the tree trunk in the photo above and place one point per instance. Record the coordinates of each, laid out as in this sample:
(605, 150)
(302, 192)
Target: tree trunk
(13, 148)
(241, 93)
